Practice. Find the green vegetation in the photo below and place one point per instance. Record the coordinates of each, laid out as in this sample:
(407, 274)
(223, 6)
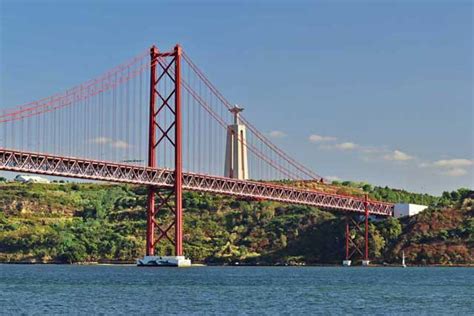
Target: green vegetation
(401, 196)
(71, 222)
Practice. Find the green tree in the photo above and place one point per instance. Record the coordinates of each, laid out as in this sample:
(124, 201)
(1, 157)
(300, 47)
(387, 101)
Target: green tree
(367, 187)
(70, 250)
(390, 228)
(377, 243)
(446, 195)
(455, 195)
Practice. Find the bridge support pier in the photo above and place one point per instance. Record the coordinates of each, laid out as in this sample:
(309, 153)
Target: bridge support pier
(352, 239)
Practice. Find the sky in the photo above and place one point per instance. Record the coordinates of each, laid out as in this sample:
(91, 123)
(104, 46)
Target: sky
(375, 91)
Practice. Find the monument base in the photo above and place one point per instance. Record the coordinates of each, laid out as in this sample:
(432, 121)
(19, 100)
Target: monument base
(166, 261)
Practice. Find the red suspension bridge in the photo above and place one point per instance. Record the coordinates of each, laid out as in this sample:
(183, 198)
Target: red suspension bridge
(157, 120)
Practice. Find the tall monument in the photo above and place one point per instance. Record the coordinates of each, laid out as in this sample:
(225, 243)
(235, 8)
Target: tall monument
(236, 165)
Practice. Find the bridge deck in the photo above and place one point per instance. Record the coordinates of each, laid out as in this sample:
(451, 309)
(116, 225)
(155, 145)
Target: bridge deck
(29, 162)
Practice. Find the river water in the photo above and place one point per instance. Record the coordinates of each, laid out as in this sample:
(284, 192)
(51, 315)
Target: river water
(73, 289)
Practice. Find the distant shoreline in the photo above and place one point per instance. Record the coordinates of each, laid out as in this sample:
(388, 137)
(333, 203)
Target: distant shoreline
(128, 263)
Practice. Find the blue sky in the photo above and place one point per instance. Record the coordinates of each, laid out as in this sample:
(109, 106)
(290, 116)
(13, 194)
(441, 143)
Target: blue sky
(376, 91)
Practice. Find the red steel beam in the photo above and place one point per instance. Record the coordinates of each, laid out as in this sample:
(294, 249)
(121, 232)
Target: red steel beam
(366, 209)
(178, 189)
(150, 227)
(347, 238)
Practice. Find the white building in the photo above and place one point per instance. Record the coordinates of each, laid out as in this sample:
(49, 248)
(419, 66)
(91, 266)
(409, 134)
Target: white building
(236, 164)
(405, 209)
(29, 179)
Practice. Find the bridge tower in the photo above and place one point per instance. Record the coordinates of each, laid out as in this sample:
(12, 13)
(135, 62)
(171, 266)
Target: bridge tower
(165, 66)
(236, 164)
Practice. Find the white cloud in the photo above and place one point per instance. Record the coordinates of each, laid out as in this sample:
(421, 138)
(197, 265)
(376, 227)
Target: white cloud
(455, 172)
(398, 155)
(446, 167)
(277, 134)
(373, 150)
(346, 146)
(120, 144)
(453, 163)
(342, 146)
(320, 139)
(450, 167)
(101, 140)
(332, 178)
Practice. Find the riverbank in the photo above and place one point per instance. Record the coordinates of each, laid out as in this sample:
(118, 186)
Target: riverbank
(130, 263)
(70, 223)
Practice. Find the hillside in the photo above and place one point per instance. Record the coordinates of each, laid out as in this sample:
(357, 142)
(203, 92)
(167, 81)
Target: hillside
(438, 236)
(99, 222)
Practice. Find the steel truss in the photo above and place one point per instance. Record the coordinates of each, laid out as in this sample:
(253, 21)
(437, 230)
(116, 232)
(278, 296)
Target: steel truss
(38, 163)
(352, 246)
